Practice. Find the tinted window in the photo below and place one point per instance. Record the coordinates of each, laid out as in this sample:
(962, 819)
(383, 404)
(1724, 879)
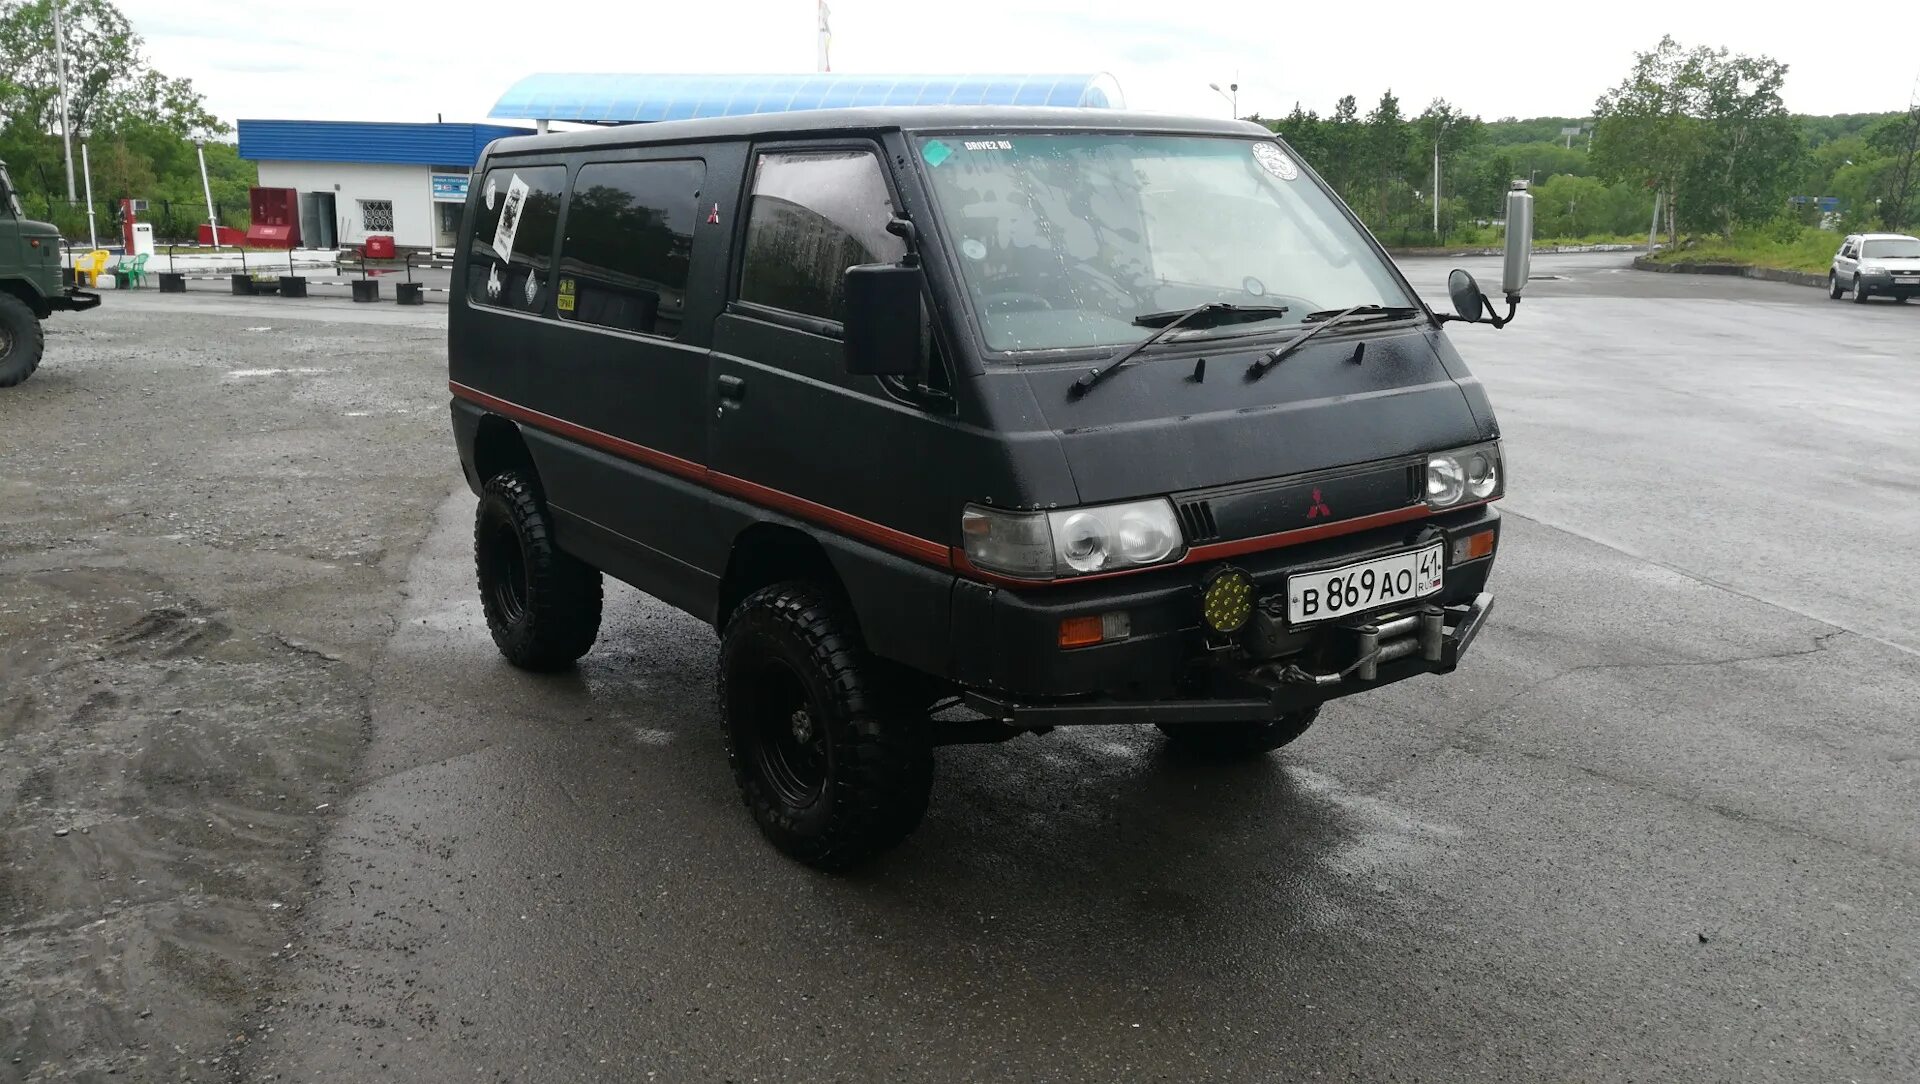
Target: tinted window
(814, 215)
(629, 241)
(513, 236)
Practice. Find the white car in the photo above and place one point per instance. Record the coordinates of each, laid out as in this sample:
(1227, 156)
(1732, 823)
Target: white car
(1886, 264)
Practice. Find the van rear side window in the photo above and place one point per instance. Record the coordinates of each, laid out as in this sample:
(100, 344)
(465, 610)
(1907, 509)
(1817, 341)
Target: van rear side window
(514, 227)
(815, 214)
(628, 245)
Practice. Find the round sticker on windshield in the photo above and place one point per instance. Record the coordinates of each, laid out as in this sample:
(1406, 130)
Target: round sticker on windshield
(973, 249)
(1275, 161)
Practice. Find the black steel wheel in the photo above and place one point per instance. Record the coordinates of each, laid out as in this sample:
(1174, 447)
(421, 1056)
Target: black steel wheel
(1233, 741)
(542, 605)
(21, 341)
(832, 764)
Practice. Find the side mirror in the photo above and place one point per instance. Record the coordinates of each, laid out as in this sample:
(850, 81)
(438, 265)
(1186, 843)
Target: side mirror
(883, 320)
(1468, 300)
(1519, 243)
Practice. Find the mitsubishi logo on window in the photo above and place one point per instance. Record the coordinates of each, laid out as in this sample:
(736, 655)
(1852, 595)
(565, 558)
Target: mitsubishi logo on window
(1319, 507)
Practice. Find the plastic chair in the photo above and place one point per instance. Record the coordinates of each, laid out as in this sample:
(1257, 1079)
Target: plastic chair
(137, 272)
(90, 267)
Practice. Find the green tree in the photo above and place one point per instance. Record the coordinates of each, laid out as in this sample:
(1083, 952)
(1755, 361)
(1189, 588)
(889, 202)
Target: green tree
(108, 78)
(1704, 128)
(1385, 145)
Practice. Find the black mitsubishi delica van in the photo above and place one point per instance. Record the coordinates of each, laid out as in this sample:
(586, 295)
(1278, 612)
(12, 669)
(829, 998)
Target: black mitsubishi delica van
(962, 424)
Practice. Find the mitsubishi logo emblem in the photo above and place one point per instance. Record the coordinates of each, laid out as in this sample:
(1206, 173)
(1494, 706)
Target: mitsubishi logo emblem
(1319, 507)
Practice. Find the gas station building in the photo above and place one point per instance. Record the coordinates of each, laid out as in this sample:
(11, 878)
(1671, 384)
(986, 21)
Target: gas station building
(355, 180)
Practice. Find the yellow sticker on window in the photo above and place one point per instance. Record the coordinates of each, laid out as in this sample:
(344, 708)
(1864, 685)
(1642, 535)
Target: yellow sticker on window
(565, 301)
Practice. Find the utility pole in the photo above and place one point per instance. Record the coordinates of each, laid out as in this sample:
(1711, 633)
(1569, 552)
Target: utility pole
(1439, 127)
(66, 126)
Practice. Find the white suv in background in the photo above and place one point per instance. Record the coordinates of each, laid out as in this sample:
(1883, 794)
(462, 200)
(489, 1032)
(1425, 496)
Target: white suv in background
(1887, 264)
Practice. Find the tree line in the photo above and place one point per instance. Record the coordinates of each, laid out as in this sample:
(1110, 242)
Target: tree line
(1701, 133)
(138, 123)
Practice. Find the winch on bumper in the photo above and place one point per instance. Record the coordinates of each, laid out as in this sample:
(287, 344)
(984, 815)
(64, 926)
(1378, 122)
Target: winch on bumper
(1172, 668)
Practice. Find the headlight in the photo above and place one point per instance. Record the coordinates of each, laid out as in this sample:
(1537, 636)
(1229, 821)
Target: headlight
(1466, 474)
(1043, 545)
(1872, 269)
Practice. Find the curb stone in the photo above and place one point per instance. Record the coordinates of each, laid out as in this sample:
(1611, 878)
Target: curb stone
(1768, 274)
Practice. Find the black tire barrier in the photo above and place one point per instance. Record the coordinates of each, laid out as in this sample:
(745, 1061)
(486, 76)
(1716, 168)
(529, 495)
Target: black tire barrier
(268, 287)
(366, 290)
(172, 283)
(410, 293)
(243, 286)
(293, 286)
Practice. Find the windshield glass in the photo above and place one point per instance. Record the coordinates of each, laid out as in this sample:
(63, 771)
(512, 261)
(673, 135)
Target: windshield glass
(8, 199)
(1891, 248)
(1064, 239)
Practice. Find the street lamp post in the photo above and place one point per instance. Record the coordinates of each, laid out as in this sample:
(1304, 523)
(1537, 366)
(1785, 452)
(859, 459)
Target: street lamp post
(1232, 100)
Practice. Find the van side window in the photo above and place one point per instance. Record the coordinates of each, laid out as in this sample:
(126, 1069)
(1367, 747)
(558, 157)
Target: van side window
(814, 214)
(514, 226)
(629, 241)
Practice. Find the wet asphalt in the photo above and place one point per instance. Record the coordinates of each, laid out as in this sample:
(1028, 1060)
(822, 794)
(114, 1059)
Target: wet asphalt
(1663, 824)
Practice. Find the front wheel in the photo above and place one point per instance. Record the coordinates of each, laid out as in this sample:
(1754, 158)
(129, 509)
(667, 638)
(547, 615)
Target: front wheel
(1833, 286)
(834, 765)
(1233, 741)
(1859, 291)
(21, 341)
(542, 604)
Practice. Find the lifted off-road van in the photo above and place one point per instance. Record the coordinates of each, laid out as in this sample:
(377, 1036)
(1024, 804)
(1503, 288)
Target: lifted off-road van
(961, 424)
(30, 287)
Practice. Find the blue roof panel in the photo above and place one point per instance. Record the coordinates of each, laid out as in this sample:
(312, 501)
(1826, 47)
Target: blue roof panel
(352, 141)
(624, 99)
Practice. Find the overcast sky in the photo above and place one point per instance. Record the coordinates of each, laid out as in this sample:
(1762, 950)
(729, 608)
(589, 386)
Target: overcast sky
(411, 61)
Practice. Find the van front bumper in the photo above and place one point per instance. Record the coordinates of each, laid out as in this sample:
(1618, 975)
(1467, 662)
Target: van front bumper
(1263, 692)
(1170, 669)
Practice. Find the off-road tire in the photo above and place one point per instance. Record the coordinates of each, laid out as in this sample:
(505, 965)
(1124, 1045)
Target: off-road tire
(1833, 286)
(1237, 741)
(22, 341)
(542, 605)
(1859, 292)
(793, 644)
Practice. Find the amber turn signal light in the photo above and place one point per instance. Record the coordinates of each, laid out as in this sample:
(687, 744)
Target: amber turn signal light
(1090, 629)
(1473, 547)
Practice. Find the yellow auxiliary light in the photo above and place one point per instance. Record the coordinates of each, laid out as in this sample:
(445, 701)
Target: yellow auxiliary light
(1227, 601)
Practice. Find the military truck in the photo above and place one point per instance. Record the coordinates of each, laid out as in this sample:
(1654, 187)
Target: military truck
(30, 285)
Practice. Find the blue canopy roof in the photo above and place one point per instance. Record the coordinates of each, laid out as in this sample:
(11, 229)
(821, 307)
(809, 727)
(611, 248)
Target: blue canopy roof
(623, 99)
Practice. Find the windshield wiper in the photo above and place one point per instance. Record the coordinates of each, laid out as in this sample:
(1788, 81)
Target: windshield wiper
(1213, 312)
(1322, 320)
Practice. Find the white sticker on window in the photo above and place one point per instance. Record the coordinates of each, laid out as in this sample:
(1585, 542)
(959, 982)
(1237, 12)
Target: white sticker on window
(1275, 161)
(510, 218)
(493, 192)
(973, 249)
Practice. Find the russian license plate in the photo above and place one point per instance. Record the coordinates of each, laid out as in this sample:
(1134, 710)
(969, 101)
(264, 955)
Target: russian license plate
(1908, 280)
(1365, 585)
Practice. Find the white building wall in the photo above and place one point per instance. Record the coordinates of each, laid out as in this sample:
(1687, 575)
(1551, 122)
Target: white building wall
(409, 187)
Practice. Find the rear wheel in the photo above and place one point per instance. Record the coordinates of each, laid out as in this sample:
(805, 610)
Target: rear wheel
(542, 605)
(1231, 741)
(1859, 291)
(1833, 286)
(834, 765)
(21, 341)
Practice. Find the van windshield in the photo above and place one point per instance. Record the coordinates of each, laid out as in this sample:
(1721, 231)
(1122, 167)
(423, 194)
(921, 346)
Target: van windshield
(1063, 239)
(8, 200)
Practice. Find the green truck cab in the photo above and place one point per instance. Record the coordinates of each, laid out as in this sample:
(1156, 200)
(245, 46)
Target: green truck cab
(30, 285)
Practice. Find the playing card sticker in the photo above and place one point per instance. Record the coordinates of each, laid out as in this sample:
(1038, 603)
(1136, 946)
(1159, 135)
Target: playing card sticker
(510, 209)
(1275, 161)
